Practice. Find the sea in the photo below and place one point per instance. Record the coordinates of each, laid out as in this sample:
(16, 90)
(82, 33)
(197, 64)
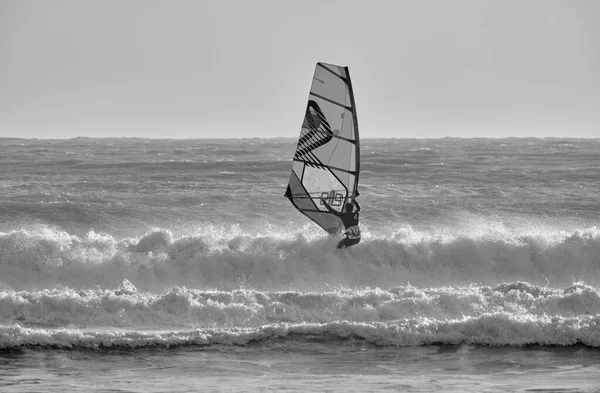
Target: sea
(177, 265)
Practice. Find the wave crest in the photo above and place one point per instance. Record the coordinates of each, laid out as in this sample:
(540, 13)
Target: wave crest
(46, 257)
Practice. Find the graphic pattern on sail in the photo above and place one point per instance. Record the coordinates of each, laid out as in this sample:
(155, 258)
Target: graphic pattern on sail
(326, 161)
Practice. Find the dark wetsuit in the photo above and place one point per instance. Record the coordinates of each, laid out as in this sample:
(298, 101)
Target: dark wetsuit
(350, 221)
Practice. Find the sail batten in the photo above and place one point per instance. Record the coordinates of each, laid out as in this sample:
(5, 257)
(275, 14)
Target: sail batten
(337, 136)
(326, 160)
(326, 166)
(333, 102)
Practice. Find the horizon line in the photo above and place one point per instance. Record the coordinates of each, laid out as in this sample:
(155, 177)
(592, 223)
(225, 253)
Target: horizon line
(294, 138)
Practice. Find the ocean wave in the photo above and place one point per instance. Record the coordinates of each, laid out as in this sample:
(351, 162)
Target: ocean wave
(515, 313)
(180, 306)
(487, 330)
(275, 258)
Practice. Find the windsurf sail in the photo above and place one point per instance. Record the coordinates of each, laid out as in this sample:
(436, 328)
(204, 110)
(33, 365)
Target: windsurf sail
(327, 160)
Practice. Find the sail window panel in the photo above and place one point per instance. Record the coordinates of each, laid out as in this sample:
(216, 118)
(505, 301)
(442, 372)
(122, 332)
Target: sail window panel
(318, 181)
(347, 179)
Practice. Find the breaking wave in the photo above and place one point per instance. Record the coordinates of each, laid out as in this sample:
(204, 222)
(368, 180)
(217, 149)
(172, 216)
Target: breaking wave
(508, 314)
(227, 286)
(227, 258)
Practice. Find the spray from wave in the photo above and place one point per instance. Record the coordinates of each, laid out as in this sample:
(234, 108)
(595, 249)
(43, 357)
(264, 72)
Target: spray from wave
(507, 314)
(225, 285)
(42, 256)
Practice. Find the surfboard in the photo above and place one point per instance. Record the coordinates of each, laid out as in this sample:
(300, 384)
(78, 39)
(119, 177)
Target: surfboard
(326, 162)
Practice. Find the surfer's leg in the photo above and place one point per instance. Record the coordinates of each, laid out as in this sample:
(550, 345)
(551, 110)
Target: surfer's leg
(345, 242)
(352, 242)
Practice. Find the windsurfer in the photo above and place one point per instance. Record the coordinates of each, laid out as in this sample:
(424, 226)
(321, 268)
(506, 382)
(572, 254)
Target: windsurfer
(349, 216)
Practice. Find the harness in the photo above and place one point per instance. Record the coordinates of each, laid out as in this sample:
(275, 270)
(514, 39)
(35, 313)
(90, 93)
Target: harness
(353, 232)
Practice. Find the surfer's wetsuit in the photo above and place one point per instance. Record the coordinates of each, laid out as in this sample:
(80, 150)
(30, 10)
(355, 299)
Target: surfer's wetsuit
(350, 221)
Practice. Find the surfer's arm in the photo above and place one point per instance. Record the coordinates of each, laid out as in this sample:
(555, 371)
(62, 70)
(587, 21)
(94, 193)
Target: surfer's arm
(357, 205)
(331, 210)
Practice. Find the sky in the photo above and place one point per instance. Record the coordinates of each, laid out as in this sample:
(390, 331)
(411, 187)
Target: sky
(240, 68)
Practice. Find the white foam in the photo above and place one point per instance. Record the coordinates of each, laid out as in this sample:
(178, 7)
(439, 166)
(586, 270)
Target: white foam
(229, 257)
